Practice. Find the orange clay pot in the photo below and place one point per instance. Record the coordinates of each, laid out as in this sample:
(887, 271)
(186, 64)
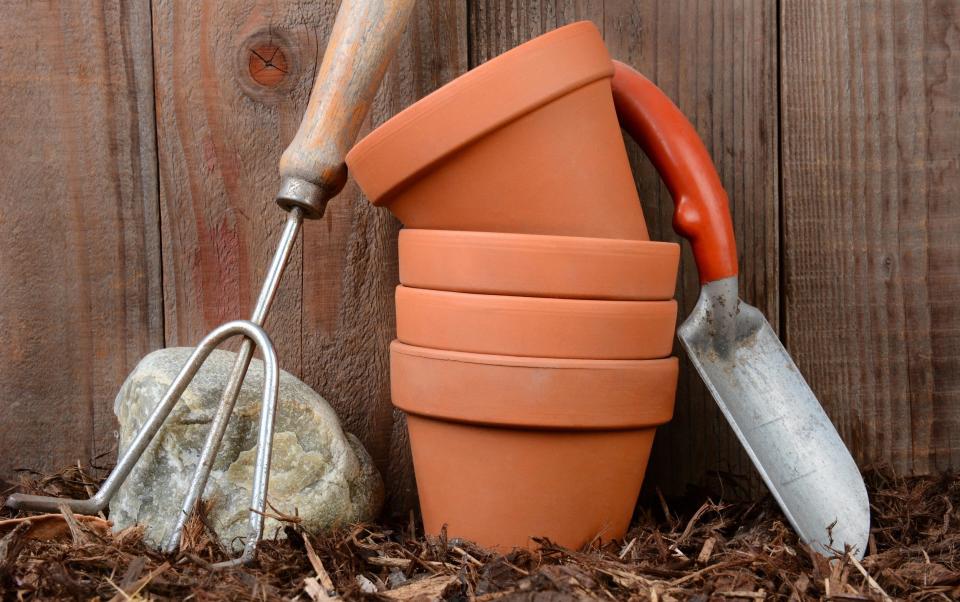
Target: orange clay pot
(535, 326)
(506, 449)
(527, 143)
(530, 265)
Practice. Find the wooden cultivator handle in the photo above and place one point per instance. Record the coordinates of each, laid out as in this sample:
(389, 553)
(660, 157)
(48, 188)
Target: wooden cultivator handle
(364, 38)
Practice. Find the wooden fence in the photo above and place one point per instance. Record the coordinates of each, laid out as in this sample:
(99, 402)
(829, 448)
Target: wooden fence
(139, 150)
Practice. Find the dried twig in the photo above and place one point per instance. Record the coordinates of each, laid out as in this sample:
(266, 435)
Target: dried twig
(911, 556)
(322, 576)
(131, 592)
(317, 592)
(706, 551)
(757, 595)
(79, 537)
(870, 581)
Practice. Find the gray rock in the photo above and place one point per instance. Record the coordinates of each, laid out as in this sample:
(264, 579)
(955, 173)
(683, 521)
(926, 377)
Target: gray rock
(318, 472)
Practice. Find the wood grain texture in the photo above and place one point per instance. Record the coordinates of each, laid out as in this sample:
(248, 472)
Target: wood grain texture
(80, 298)
(869, 99)
(350, 266)
(221, 136)
(871, 181)
(718, 62)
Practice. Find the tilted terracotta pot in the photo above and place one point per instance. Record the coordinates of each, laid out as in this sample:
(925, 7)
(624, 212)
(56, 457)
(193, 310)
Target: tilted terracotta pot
(535, 326)
(526, 143)
(507, 448)
(530, 265)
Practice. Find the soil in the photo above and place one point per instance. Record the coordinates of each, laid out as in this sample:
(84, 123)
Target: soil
(678, 549)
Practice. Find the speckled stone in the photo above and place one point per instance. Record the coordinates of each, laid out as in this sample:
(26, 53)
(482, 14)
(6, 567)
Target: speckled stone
(318, 472)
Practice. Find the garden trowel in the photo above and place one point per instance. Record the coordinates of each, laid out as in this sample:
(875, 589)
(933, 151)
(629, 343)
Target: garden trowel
(749, 373)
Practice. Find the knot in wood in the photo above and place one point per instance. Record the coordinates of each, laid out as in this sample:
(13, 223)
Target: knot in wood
(267, 64)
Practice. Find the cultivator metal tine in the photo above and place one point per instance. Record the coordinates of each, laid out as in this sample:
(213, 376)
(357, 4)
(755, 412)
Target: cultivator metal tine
(268, 407)
(212, 443)
(130, 457)
(253, 334)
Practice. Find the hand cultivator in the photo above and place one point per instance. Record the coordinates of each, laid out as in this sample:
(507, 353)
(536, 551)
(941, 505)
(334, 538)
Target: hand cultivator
(312, 172)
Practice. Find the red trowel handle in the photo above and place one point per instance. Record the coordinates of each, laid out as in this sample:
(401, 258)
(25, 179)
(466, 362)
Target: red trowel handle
(702, 214)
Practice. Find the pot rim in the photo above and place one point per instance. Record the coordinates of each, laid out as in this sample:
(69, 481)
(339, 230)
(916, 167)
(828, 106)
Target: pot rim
(554, 363)
(535, 326)
(526, 303)
(558, 407)
(435, 126)
(545, 242)
(538, 265)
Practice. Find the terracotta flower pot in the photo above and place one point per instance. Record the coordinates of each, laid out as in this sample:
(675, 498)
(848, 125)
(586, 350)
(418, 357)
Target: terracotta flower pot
(527, 143)
(535, 326)
(507, 448)
(529, 265)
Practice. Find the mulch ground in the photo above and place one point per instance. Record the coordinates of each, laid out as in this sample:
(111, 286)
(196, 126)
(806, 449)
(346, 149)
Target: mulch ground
(713, 551)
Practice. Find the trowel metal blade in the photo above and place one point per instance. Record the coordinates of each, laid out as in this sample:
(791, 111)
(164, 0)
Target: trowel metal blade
(778, 420)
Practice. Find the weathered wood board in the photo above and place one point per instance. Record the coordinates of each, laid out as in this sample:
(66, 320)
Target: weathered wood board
(80, 298)
(350, 265)
(871, 193)
(137, 206)
(221, 133)
(718, 62)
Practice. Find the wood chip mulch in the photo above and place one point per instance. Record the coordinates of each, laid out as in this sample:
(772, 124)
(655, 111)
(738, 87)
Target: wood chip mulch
(717, 551)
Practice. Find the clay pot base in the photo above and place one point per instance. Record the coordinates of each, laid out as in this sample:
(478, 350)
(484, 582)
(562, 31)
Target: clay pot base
(535, 326)
(527, 265)
(508, 448)
(501, 487)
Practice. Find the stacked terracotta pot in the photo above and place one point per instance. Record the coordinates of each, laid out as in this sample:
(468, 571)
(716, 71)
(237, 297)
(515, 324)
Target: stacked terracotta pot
(535, 319)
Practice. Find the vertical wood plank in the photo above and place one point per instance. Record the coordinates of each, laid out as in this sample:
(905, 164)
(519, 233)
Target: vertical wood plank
(871, 142)
(350, 266)
(221, 135)
(497, 26)
(80, 298)
(221, 132)
(718, 62)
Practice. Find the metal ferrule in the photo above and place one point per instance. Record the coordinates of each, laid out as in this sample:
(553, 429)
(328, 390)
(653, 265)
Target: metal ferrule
(297, 192)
